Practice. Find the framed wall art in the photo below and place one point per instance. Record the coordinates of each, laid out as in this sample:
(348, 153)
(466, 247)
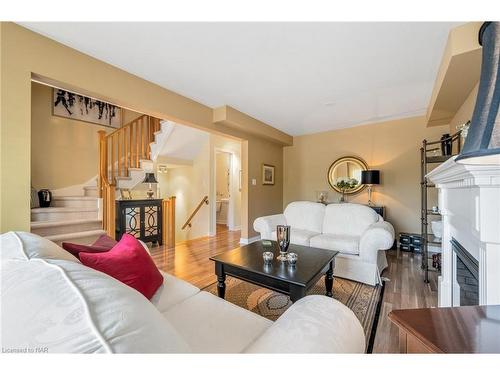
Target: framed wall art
(267, 174)
(82, 108)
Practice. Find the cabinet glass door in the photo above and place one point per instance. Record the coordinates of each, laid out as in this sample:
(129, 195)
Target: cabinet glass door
(133, 221)
(151, 221)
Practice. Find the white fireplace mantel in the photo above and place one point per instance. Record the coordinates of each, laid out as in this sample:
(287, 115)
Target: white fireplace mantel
(469, 201)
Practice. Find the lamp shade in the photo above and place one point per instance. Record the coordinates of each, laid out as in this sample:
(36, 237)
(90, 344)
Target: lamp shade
(482, 145)
(150, 179)
(370, 177)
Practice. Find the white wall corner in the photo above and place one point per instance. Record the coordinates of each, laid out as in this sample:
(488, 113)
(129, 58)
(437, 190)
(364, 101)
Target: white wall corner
(246, 241)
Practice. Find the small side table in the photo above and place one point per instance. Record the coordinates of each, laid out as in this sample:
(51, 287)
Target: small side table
(379, 210)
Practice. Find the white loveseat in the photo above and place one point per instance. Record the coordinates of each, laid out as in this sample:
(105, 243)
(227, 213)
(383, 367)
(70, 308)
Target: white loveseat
(355, 230)
(51, 302)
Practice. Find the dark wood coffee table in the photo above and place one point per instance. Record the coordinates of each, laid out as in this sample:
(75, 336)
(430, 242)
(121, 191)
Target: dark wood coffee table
(246, 263)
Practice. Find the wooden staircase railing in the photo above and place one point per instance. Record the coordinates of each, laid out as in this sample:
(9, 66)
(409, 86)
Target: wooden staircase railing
(120, 150)
(188, 221)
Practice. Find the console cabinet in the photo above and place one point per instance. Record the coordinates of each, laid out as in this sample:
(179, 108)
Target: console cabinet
(142, 218)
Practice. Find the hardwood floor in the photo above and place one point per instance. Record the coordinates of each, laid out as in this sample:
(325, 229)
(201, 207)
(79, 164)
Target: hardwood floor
(403, 289)
(190, 261)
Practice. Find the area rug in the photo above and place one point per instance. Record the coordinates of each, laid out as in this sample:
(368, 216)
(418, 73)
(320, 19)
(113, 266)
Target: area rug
(362, 299)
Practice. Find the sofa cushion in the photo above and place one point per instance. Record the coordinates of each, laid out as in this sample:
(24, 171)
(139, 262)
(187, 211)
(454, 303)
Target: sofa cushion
(172, 291)
(69, 308)
(313, 324)
(305, 215)
(299, 236)
(210, 324)
(128, 262)
(343, 243)
(348, 219)
(102, 244)
(25, 246)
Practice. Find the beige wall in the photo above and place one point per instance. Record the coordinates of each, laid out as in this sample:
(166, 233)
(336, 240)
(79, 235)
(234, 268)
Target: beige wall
(392, 147)
(60, 145)
(189, 184)
(129, 116)
(464, 113)
(64, 152)
(222, 167)
(263, 199)
(25, 54)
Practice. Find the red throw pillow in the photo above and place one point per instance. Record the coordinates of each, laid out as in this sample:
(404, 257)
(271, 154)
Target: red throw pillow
(103, 243)
(129, 263)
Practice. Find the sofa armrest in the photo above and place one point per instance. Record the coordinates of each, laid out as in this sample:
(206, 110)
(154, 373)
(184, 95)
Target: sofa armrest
(265, 225)
(313, 324)
(378, 236)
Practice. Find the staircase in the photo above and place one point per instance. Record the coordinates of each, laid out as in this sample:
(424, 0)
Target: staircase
(125, 157)
(69, 219)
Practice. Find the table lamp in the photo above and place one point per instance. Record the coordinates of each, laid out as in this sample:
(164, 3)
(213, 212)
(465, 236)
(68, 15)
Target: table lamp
(150, 179)
(370, 177)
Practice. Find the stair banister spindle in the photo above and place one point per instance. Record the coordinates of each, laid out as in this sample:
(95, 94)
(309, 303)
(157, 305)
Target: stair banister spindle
(142, 138)
(136, 144)
(118, 139)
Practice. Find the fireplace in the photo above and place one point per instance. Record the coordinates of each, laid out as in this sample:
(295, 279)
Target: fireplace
(465, 275)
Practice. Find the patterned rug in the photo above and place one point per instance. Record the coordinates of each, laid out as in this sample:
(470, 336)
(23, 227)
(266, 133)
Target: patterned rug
(362, 299)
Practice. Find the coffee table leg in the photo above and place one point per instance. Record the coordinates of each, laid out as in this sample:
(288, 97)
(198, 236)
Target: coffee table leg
(329, 280)
(296, 293)
(221, 280)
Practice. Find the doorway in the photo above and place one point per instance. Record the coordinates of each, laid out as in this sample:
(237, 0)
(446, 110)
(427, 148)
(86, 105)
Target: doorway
(227, 193)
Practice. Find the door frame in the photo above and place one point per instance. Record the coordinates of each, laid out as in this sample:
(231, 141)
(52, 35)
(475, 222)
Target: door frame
(213, 196)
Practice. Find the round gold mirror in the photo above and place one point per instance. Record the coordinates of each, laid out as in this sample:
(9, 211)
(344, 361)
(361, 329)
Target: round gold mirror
(344, 175)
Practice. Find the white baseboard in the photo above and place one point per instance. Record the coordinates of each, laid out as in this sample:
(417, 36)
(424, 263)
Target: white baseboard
(237, 227)
(246, 241)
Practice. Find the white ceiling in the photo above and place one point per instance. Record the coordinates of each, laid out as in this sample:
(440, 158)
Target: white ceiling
(298, 77)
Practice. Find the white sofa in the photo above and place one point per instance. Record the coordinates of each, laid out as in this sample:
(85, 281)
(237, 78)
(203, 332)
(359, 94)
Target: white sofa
(50, 301)
(355, 230)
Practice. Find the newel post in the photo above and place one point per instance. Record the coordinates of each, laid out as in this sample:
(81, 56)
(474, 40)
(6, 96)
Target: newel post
(103, 156)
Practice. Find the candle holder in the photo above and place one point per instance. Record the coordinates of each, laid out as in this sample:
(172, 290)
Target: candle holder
(268, 257)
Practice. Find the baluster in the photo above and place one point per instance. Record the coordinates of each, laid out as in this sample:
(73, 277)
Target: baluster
(125, 153)
(136, 140)
(149, 137)
(119, 144)
(112, 158)
(142, 137)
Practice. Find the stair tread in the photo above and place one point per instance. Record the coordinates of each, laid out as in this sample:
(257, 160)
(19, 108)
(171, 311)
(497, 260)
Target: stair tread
(54, 223)
(64, 209)
(74, 197)
(67, 236)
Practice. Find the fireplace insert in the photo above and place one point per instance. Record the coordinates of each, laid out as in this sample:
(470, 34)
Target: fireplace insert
(466, 274)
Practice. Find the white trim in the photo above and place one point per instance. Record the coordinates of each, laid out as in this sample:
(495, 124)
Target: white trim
(246, 241)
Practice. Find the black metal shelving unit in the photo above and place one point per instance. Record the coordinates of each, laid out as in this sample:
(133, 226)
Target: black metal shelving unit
(428, 157)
